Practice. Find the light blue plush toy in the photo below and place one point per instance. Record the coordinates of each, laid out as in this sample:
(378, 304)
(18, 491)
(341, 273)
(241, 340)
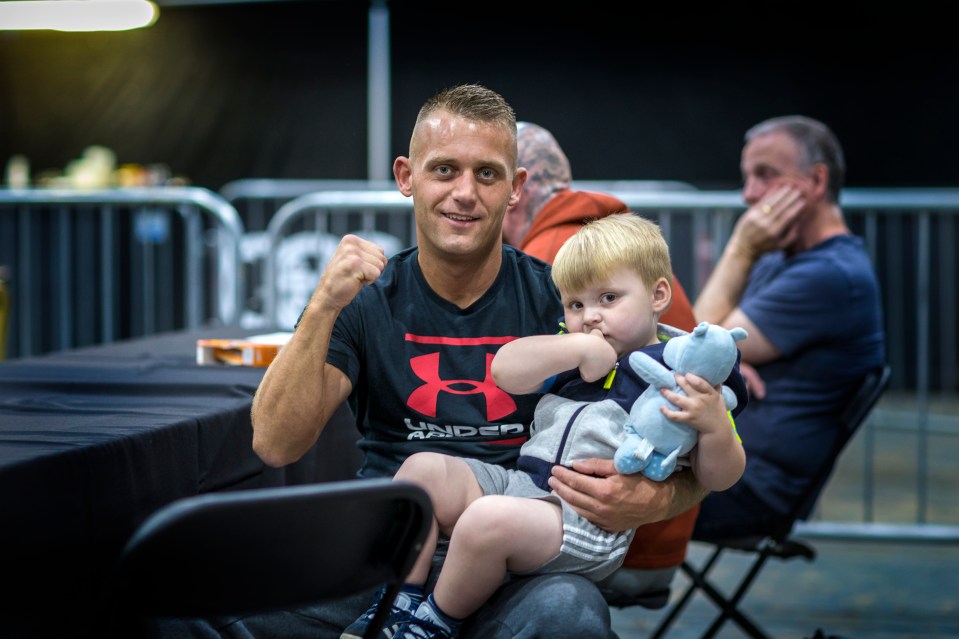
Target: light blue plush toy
(654, 443)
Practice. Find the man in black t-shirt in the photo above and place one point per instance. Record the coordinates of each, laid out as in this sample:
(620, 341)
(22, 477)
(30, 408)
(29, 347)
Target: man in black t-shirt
(408, 343)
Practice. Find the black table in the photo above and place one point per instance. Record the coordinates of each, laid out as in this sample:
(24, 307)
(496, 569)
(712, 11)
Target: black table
(93, 440)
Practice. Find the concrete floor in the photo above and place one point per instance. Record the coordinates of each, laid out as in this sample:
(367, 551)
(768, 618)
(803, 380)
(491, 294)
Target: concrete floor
(851, 590)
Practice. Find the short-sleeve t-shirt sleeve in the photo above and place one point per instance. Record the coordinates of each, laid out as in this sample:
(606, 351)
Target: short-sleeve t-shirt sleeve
(793, 307)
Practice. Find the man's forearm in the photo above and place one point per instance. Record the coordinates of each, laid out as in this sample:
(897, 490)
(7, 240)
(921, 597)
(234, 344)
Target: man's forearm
(725, 286)
(687, 493)
(292, 403)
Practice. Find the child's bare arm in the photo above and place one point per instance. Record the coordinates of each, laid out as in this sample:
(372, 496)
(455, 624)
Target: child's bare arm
(521, 366)
(718, 460)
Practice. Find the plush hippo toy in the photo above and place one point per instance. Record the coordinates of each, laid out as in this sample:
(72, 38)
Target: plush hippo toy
(654, 443)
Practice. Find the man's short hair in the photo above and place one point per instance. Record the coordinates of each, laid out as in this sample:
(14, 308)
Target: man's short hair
(817, 145)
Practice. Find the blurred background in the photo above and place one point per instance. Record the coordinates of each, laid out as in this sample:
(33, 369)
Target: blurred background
(264, 130)
(220, 91)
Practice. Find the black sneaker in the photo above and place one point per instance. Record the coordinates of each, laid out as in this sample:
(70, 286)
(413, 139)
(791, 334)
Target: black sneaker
(401, 612)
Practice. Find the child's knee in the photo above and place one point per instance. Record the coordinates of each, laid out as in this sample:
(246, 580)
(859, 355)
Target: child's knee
(419, 465)
(491, 515)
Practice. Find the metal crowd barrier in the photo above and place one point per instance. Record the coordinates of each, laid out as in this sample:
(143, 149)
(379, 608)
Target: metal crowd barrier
(94, 266)
(910, 236)
(257, 200)
(318, 220)
(85, 267)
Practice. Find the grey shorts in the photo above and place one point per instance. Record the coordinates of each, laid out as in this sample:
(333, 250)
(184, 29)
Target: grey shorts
(587, 550)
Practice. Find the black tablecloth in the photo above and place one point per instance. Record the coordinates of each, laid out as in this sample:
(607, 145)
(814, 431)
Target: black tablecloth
(94, 440)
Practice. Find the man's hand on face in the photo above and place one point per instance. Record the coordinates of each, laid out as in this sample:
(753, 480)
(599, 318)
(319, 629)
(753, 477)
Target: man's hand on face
(771, 224)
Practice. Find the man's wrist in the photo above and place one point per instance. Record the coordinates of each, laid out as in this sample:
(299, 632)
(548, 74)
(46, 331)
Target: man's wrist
(742, 252)
(687, 492)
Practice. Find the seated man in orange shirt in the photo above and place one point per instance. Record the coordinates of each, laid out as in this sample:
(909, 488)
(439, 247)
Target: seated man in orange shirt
(547, 213)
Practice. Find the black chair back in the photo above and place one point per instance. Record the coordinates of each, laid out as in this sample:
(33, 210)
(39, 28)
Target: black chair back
(258, 550)
(860, 404)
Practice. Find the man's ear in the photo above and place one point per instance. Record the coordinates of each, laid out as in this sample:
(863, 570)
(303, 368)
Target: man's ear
(403, 174)
(662, 295)
(519, 180)
(820, 179)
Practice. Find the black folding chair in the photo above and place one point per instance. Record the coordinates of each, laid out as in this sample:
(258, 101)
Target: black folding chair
(253, 551)
(779, 545)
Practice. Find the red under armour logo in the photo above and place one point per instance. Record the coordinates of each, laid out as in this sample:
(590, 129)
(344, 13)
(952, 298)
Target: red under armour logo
(423, 399)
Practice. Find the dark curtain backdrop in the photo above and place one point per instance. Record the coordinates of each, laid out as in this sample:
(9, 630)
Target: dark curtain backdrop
(219, 92)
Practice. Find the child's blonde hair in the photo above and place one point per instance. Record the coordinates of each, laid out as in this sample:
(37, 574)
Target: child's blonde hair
(603, 246)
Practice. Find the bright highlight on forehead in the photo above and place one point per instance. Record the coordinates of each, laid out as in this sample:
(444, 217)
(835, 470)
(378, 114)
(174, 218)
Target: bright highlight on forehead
(449, 127)
(443, 129)
(435, 126)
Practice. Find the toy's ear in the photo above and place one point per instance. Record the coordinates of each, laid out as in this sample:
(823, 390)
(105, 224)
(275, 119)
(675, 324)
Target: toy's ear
(738, 333)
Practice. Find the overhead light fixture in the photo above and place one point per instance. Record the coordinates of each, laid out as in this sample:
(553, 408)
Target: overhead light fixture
(77, 15)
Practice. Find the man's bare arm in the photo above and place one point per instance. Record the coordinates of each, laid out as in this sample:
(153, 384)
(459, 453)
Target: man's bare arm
(297, 396)
(522, 365)
(766, 226)
(300, 391)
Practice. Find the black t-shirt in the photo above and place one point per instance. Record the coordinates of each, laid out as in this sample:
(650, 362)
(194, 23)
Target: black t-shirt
(420, 366)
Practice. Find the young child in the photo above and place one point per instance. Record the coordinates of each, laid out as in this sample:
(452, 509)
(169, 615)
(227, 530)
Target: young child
(614, 279)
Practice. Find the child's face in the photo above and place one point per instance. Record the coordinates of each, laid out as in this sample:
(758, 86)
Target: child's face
(623, 308)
